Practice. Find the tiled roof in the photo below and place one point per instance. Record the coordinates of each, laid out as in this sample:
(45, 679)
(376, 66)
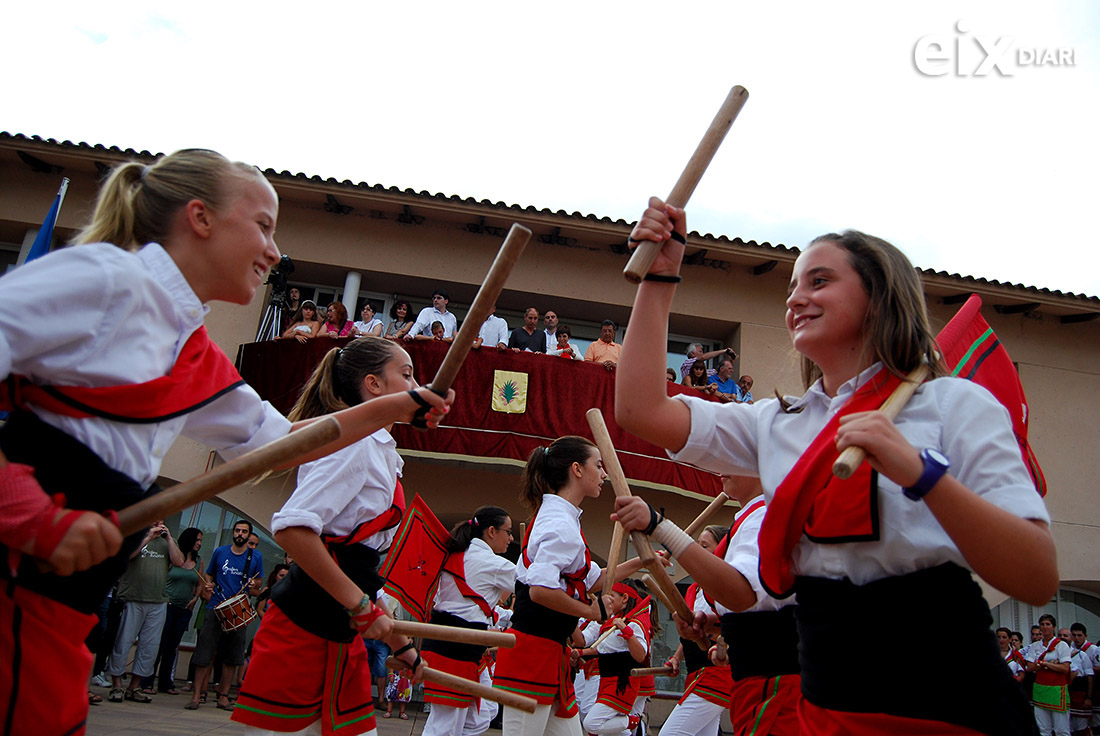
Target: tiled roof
(531, 210)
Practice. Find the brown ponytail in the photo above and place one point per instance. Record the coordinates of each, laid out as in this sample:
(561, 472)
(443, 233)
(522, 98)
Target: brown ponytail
(548, 468)
(336, 382)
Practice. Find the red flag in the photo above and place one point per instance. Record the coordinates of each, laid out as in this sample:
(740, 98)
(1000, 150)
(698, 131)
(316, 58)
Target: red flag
(971, 350)
(415, 560)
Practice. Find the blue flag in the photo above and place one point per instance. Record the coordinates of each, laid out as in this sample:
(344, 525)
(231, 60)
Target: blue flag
(45, 234)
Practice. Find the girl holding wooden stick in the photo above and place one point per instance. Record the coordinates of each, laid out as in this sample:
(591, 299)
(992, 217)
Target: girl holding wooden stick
(944, 492)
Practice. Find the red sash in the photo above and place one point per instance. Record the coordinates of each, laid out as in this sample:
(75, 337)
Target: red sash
(724, 545)
(388, 519)
(812, 501)
(201, 374)
(456, 566)
(1046, 677)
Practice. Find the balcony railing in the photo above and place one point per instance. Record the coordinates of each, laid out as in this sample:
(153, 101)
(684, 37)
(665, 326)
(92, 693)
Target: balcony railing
(558, 393)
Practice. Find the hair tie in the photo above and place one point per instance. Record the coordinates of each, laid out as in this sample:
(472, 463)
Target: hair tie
(144, 172)
(546, 450)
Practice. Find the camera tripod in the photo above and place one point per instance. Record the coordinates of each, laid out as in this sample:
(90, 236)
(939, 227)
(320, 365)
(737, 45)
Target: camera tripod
(272, 325)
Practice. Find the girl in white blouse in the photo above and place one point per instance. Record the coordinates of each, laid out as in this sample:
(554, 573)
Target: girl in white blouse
(341, 516)
(911, 531)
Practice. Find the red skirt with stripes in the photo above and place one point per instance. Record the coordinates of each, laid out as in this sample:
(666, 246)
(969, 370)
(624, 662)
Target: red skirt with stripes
(818, 721)
(295, 678)
(766, 705)
(441, 694)
(538, 668)
(712, 684)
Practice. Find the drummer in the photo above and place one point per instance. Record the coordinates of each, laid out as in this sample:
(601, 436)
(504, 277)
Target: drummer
(233, 568)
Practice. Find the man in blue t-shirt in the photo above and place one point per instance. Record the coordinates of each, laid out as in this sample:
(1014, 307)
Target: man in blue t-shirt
(728, 390)
(233, 569)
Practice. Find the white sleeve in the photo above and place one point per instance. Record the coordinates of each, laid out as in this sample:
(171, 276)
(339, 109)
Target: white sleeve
(639, 634)
(743, 554)
(235, 423)
(550, 557)
(723, 437)
(423, 323)
(502, 576)
(502, 332)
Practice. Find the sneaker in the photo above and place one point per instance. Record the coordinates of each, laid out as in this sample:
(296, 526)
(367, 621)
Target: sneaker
(101, 680)
(427, 707)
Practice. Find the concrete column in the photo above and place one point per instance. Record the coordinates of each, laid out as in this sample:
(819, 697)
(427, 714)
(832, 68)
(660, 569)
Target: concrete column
(351, 293)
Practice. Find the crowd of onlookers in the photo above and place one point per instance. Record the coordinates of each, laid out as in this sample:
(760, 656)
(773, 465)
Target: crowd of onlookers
(1057, 669)
(307, 321)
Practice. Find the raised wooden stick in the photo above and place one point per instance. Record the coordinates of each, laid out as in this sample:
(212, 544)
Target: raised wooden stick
(204, 487)
(484, 303)
(643, 671)
(647, 251)
(701, 520)
(670, 603)
(851, 458)
(614, 470)
(415, 629)
(504, 697)
(613, 561)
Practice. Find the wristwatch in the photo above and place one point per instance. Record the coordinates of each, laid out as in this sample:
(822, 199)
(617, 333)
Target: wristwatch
(935, 465)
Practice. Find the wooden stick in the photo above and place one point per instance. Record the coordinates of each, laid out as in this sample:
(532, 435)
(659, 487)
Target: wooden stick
(643, 671)
(204, 487)
(647, 251)
(851, 458)
(670, 603)
(415, 629)
(614, 471)
(504, 697)
(613, 560)
(484, 303)
(701, 520)
(522, 532)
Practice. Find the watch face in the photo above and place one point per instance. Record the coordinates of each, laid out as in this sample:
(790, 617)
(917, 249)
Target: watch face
(938, 457)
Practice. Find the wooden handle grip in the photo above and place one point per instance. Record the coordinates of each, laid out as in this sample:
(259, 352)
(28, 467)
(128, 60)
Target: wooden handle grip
(504, 697)
(417, 630)
(644, 671)
(852, 456)
(647, 251)
(204, 487)
(618, 480)
(484, 302)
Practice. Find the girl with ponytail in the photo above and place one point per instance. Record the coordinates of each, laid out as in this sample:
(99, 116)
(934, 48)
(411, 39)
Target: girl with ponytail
(113, 368)
(553, 579)
(474, 578)
(338, 521)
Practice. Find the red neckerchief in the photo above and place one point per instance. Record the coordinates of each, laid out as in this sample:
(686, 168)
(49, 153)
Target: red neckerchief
(574, 581)
(388, 519)
(456, 565)
(812, 501)
(724, 545)
(1050, 648)
(201, 374)
(1086, 645)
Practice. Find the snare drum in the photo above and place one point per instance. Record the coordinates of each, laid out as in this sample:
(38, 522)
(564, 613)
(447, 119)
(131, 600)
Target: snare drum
(234, 613)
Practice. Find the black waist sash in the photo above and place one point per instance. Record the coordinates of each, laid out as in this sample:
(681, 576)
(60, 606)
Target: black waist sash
(974, 688)
(695, 658)
(531, 618)
(618, 665)
(63, 464)
(454, 649)
(761, 643)
(310, 606)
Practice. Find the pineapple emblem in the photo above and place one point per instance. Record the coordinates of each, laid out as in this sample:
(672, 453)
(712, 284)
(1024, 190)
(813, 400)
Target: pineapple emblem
(509, 392)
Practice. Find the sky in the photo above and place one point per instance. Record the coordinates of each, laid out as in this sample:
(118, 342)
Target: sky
(934, 125)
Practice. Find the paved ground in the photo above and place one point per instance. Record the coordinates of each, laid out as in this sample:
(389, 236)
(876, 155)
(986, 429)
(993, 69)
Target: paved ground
(165, 716)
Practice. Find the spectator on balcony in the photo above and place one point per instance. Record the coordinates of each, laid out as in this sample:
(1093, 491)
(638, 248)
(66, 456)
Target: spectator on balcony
(550, 328)
(369, 324)
(494, 331)
(435, 313)
(564, 349)
(745, 384)
(338, 324)
(605, 350)
(292, 305)
(697, 378)
(438, 334)
(727, 388)
(695, 352)
(528, 336)
(670, 374)
(304, 324)
(399, 319)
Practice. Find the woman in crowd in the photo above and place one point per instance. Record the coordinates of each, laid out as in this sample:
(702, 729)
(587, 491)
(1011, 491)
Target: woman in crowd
(473, 580)
(130, 368)
(1013, 659)
(707, 687)
(337, 323)
(697, 378)
(400, 319)
(370, 325)
(183, 589)
(304, 324)
(553, 578)
(341, 516)
(901, 552)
